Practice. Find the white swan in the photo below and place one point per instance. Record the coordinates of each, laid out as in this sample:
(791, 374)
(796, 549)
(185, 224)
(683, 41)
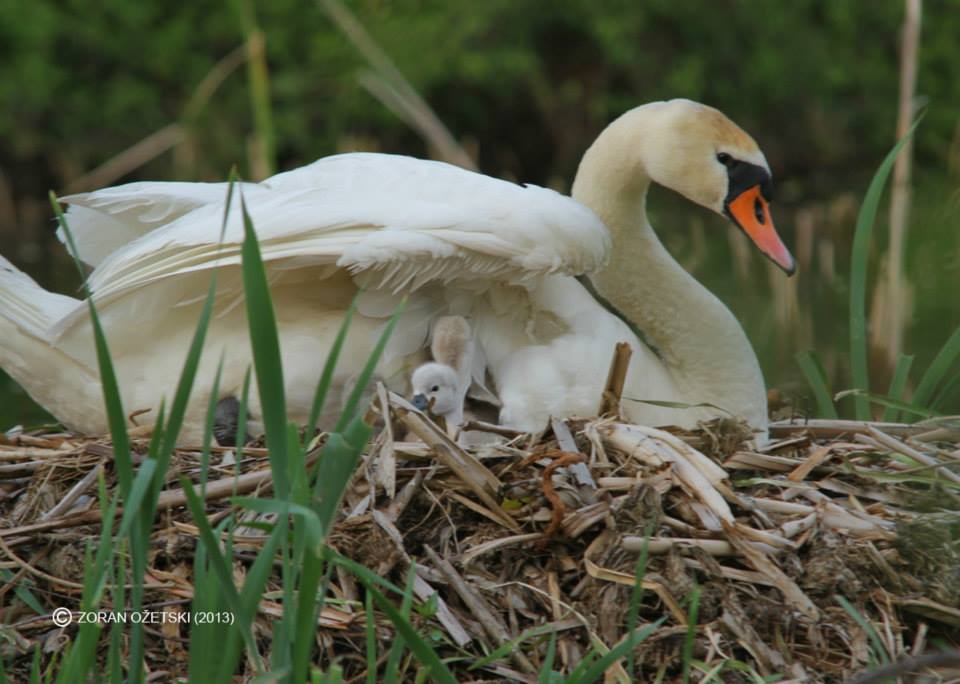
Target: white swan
(462, 243)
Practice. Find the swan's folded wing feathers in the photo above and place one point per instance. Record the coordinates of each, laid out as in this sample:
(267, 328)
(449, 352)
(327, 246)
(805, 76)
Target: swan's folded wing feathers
(105, 220)
(403, 221)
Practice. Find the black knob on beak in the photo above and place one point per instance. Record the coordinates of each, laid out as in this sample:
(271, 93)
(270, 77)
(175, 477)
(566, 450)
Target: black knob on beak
(421, 402)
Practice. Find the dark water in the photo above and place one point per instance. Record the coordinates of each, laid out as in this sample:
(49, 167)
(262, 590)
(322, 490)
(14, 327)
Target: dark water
(781, 316)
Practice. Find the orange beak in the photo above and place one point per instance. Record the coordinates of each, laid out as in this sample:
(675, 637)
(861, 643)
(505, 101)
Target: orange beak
(751, 212)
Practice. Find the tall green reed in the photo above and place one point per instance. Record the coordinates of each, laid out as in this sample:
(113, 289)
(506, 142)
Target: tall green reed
(937, 375)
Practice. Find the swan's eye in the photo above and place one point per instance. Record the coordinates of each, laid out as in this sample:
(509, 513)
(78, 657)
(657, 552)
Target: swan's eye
(758, 211)
(726, 159)
(435, 388)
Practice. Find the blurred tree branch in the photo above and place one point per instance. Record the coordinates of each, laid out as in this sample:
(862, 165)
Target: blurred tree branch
(386, 83)
(166, 138)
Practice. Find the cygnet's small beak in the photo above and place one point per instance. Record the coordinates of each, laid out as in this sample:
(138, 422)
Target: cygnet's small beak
(751, 212)
(421, 402)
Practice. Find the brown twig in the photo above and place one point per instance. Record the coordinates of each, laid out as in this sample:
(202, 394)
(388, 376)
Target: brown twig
(491, 624)
(171, 498)
(616, 379)
(893, 670)
(481, 426)
(560, 459)
(158, 142)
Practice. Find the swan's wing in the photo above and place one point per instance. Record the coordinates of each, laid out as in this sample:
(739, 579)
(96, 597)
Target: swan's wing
(105, 220)
(396, 222)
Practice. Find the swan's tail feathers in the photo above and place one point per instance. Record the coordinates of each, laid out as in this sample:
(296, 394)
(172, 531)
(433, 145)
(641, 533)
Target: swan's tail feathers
(29, 306)
(61, 384)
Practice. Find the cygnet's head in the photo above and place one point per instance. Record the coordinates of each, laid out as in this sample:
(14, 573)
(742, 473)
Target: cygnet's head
(435, 388)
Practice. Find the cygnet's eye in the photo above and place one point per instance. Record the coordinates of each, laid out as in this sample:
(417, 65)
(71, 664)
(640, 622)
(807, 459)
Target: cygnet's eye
(435, 388)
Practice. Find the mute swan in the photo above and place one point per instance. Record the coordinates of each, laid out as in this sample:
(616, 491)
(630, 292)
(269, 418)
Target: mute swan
(442, 384)
(460, 242)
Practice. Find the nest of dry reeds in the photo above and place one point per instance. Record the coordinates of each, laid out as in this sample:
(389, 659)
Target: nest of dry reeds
(831, 548)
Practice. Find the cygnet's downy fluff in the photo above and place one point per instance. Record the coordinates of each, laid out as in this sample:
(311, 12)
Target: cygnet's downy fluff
(441, 385)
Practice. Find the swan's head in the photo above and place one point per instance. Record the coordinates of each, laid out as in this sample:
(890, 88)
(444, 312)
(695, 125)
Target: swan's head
(700, 153)
(435, 388)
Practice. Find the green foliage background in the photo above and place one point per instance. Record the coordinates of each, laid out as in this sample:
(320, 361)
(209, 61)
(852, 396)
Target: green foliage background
(524, 85)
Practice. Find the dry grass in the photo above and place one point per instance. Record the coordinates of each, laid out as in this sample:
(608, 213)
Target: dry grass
(545, 529)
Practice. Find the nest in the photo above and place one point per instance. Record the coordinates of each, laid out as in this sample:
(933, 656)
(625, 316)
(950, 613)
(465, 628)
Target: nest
(792, 559)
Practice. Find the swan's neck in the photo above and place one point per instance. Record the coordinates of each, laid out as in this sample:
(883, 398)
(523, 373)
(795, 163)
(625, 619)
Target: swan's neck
(698, 340)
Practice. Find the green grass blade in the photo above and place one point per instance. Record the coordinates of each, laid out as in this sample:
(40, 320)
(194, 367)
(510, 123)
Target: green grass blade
(222, 568)
(858, 275)
(333, 676)
(338, 460)
(205, 598)
(865, 625)
(420, 649)
(938, 369)
(81, 653)
(297, 466)
(508, 647)
(691, 632)
(265, 342)
(946, 392)
(307, 515)
(546, 669)
(417, 645)
(636, 594)
(253, 587)
(901, 373)
(242, 418)
(392, 671)
(21, 591)
(208, 429)
(139, 489)
(889, 403)
(308, 603)
(371, 633)
(817, 380)
(138, 512)
(326, 377)
(360, 571)
(115, 651)
(181, 397)
(593, 671)
(35, 667)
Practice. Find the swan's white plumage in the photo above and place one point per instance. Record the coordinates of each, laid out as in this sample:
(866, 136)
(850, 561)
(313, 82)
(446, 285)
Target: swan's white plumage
(393, 224)
(454, 242)
(24, 302)
(406, 220)
(106, 220)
